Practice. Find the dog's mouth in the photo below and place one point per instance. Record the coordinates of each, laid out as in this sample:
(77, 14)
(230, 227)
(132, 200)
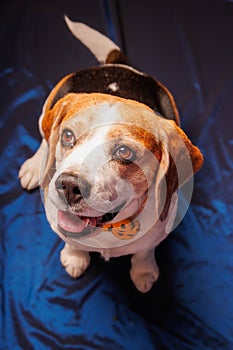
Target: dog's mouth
(72, 225)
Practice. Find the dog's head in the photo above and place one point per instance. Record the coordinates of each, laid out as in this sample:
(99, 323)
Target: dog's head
(108, 155)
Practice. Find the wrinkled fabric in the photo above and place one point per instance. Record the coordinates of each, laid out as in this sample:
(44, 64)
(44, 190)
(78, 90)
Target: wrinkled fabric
(188, 46)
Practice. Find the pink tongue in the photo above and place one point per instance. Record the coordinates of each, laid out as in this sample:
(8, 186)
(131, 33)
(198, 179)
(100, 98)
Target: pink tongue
(72, 224)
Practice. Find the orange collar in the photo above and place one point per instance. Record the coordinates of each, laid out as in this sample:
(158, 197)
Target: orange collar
(128, 228)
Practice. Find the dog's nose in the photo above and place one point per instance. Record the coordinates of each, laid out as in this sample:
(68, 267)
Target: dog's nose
(72, 188)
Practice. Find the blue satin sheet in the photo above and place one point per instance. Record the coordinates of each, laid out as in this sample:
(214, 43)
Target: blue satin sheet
(188, 46)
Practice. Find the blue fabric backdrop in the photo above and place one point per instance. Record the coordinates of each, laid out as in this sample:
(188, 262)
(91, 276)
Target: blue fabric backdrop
(188, 46)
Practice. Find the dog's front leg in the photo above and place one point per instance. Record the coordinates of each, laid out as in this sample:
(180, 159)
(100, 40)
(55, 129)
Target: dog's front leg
(29, 173)
(74, 261)
(144, 270)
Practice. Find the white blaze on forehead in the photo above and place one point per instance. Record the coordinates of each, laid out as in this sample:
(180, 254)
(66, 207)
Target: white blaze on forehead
(94, 123)
(91, 149)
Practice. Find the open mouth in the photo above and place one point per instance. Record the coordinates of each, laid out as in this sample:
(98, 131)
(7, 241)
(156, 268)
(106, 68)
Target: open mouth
(72, 225)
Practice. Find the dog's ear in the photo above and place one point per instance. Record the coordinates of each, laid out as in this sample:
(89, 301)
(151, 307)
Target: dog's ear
(180, 161)
(46, 120)
(165, 102)
(50, 126)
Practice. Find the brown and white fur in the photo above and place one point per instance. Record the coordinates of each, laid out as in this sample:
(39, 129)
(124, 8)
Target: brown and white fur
(102, 153)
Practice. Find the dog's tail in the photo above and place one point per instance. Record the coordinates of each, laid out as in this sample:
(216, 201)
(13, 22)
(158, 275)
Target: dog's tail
(104, 49)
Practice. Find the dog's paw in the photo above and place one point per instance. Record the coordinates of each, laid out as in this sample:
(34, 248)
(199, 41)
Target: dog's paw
(144, 281)
(75, 262)
(143, 274)
(29, 174)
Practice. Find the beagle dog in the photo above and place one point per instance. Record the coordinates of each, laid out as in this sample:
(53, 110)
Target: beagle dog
(111, 162)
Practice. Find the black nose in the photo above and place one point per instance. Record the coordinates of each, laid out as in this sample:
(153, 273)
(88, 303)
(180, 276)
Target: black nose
(72, 188)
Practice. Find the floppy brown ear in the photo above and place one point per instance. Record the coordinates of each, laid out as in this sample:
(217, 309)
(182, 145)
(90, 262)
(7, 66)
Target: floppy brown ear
(50, 166)
(180, 161)
(50, 126)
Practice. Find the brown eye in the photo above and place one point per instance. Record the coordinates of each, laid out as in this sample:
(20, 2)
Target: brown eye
(125, 154)
(67, 138)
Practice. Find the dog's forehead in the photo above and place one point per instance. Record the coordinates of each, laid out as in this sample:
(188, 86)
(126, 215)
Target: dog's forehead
(92, 117)
(111, 111)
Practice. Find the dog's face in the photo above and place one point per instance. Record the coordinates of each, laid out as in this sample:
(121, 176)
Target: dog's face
(107, 156)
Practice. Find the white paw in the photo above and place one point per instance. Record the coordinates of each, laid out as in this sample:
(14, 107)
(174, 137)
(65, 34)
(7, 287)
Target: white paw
(144, 275)
(75, 262)
(29, 174)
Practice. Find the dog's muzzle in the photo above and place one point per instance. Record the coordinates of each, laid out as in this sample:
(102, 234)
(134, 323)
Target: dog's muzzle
(74, 190)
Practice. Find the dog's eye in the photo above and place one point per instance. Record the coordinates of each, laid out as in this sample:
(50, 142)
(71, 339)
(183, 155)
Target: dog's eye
(67, 138)
(125, 154)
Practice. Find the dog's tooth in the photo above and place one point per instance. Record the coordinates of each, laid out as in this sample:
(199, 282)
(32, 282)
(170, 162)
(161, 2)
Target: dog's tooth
(86, 220)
